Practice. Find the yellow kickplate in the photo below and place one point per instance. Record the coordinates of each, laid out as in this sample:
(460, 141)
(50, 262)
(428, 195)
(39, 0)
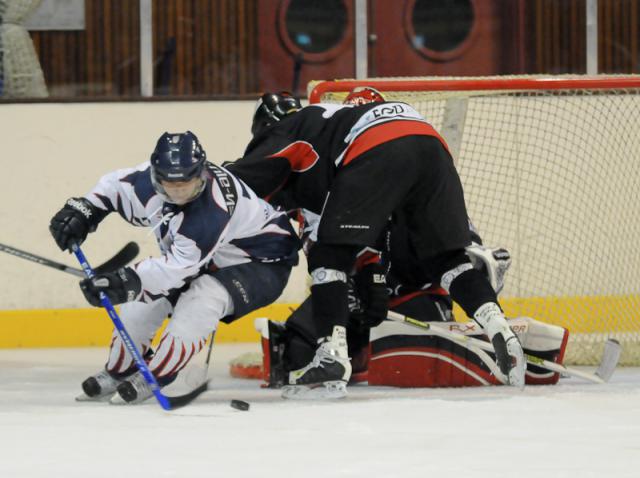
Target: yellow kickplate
(92, 327)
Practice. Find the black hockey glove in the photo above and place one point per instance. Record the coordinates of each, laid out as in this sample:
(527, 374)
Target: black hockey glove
(371, 288)
(120, 286)
(74, 221)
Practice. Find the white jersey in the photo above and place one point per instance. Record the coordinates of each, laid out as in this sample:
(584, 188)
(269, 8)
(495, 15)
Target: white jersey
(224, 226)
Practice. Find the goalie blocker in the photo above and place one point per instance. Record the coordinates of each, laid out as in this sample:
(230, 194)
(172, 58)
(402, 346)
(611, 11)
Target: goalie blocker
(403, 356)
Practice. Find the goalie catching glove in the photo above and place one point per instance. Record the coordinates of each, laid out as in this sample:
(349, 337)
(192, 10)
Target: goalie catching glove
(120, 286)
(74, 221)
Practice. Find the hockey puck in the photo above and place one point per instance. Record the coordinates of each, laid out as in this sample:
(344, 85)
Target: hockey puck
(240, 405)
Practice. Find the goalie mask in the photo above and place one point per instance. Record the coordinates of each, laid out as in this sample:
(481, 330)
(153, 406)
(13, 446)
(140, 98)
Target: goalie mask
(362, 95)
(177, 167)
(271, 108)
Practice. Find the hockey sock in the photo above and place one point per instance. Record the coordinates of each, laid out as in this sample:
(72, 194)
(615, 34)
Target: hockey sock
(330, 306)
(470, 290)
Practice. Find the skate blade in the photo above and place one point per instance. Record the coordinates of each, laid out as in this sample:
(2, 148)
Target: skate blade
(83, 397)
(116, 399)
(324, 391)
(119, 401)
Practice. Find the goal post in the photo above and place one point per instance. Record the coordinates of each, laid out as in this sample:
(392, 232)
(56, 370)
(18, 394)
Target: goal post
(551, 171)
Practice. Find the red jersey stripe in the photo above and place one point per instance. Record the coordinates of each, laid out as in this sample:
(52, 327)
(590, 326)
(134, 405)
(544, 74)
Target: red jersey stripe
(386, 132)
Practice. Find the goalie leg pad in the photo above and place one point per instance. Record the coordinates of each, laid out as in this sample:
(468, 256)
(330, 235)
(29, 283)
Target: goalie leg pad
(546, 341)
(274, 371)
(402, 356)
(285, 346)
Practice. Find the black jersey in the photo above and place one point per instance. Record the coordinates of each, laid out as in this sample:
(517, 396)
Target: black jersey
(298, 157)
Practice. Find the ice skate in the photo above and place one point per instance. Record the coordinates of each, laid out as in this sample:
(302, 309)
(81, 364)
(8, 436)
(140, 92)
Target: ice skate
(509, 354)
(135, 389)
(327, 374)
(99, 387)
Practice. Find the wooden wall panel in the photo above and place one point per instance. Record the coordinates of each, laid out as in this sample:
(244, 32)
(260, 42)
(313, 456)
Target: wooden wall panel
(558, 30)
(215, 50)
(619, 36)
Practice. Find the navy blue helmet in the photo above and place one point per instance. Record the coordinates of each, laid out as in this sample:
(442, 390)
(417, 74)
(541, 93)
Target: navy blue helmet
(178, 157)
(271, 108)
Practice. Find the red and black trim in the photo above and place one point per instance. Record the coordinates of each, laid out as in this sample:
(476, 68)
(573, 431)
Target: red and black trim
(385, 132)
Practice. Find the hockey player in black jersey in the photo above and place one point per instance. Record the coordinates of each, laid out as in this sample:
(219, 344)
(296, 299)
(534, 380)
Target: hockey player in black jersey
(291, 345)
(355, 166)
(223, 253)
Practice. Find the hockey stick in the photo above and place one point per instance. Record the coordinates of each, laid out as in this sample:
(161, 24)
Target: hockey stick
(204, 385)
(121, 259)
(604, 372)
(167, 403)
(208, 360)
(481, 352)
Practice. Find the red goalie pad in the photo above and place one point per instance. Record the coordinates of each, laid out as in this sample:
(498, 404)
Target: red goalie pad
(403, 356)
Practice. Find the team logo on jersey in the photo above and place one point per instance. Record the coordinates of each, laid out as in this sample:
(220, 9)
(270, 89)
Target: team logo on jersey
(227, 187)
(300, 155)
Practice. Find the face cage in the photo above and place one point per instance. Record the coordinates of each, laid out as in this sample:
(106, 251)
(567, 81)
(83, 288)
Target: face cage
(157, 186)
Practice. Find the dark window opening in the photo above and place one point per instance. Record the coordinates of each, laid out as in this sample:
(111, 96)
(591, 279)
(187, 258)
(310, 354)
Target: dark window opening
(316, 26)
(441, 25)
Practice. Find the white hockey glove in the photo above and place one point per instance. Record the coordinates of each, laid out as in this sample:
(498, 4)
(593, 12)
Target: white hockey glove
(493, 262)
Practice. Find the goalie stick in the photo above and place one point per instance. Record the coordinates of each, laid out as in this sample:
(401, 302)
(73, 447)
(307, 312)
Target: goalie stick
(603, 373)
(121, 259)
(167, 403)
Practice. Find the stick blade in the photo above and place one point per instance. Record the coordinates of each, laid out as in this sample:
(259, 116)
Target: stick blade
(128, 253)
(610, 358)
(186, 399)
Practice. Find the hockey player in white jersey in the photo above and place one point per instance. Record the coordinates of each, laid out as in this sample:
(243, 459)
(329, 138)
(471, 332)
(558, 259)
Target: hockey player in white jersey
(224, 253)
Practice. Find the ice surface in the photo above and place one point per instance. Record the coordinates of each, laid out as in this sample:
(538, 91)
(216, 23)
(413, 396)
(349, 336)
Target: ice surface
(574, 429)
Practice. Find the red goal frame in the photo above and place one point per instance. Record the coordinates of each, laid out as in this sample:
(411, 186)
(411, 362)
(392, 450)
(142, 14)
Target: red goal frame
(494, 83)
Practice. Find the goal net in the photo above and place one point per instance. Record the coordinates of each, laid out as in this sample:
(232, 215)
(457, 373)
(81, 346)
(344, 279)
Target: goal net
(551, 171)
(20, 72)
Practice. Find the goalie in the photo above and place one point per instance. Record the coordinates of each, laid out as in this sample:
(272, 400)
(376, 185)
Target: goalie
(392, 354)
